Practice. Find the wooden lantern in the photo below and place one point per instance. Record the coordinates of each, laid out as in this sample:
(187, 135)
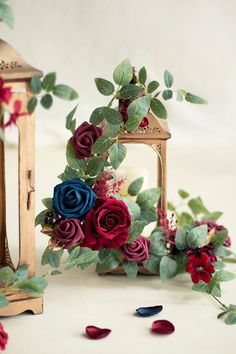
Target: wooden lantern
(154, 135)
(17, 74)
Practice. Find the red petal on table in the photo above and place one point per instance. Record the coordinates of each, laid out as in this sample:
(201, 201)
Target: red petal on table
(97, 333)
(163, 327)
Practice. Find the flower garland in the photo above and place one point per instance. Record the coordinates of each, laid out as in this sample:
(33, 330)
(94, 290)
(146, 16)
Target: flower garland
(90, 218)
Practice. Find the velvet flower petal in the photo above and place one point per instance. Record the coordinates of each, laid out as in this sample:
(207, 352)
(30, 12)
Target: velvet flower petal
(94, 332)
(149, 311)
(163, 327)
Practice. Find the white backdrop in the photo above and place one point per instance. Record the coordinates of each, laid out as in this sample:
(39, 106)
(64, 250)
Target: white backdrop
(83, 39)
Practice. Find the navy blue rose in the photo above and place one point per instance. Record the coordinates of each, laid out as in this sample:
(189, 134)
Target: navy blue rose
(73, 199)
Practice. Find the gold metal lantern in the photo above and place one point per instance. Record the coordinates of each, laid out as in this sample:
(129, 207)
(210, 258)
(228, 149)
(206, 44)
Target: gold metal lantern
(17, 74)
(155, 135)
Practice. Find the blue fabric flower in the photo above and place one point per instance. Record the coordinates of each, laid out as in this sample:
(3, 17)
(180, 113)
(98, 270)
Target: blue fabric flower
(73, 198)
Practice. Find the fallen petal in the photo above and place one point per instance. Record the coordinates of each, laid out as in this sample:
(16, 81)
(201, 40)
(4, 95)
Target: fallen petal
(163, 327)
(149, 311)
(94, 332)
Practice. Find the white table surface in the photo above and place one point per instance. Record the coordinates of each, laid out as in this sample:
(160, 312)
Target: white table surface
(77, 299)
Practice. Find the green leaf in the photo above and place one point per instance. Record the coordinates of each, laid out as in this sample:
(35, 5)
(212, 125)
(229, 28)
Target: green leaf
(40, 282)
(142, 75)
(87, 257)
(106, 113)
(51, 257)
(197, 207)
(201, 286)
(168, 78)
(70, 122)
(130, 268)
(71, 157)
(189, 97)
(39, 220)
(133, 207)
(168, 268)
(49, 81)
(29, 287)
(72, 258)
(108, 261)
(135, 186)
(112, 130)
(117, 154)
(170, 206)
(31, 105)
(148, 197)
(21, 273)
(123, 73)
(179, 96)
(219, 238)
(158, 108)
(36, 85)
(105, 87)
(148, 215)
(129, 91)
(137, 110)
(6, 275)
(48, 203)
(3, 300)
(135, 230)
(181, 239)
(183, 194)
(69, 173)
(153, 264)
(95, 166)
(158, 243)
(212, 216)
(6, 14)
(103, 143)
(167, 94)
(185, 219)
(46, 101)
(197, 236)
(65, 92)
(231, 318)
(224, 275)
(152, 86)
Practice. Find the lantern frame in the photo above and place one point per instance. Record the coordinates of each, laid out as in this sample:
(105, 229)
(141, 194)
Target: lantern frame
(17, 73)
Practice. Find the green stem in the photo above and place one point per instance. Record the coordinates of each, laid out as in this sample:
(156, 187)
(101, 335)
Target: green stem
(219, 302)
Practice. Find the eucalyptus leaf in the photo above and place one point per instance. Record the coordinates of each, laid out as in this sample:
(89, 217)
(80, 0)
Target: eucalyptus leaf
(135, 230)
(137, 110)
(117, 154)
(6, 14)
(189, 97)
(167, 94)
(49, 81)
(197, 236)
(168, 78)
(158, 108)
(130, 268)
(105, 87)
(153, 264)
(70, 121)
(152, 86)
(129, 91)
(36, 84)
(65, 92)
(181, 239)
(123, 73)
(102, 144)
(148, 197)
(108, 261)
(3, 300)
(48, 203)
(32, 104)
(46, 101)
(168, 268)
(135, 186)
(142, 75)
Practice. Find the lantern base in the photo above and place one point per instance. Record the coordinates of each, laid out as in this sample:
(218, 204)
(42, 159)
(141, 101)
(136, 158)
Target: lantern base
(120, 271)
(20, 302)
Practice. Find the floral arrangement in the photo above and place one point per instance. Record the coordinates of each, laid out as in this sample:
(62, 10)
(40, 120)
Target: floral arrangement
(93, 222)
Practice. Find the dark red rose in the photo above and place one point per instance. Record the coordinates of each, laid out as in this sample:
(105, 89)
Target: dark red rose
(5, 92)
(144, 123)
(212, 225)
(107, 225)
(3, 338)
(84, 138)
(136, 251)
(69, 232)
(200, 268)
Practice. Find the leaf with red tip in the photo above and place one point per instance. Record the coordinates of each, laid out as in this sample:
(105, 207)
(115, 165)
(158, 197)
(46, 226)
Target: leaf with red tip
(163, 327)
(94, 332)
(149, 311)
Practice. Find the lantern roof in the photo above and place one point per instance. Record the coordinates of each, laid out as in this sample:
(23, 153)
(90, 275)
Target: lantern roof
(12, 66)
(156, 129)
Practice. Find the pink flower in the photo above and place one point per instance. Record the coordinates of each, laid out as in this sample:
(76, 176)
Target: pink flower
(15, 115)
(5, 92)
(3, 338)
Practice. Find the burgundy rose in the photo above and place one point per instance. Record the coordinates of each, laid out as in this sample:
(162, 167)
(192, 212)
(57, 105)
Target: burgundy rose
(69, 232)
(84, 138)
(136, 251)
(3, 338)
(212, 225)
(107, 225)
